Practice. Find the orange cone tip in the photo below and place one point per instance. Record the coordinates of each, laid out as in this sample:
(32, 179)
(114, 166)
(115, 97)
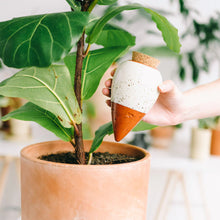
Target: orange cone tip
(124, 119)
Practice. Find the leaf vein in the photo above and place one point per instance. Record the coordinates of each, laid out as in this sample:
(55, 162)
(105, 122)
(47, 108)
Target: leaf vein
(68, 21)
(56, 96)
(3, 52)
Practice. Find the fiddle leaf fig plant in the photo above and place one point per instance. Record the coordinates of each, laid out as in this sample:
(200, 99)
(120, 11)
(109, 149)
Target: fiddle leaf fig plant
(59, 69)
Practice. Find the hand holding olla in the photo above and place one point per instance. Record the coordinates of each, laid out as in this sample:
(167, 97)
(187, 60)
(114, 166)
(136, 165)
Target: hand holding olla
(164, 111)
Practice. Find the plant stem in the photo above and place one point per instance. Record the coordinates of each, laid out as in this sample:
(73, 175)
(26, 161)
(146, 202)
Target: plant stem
(90, 158)
(87, 50)
(78, 136)
(92, 5)
(79, 147)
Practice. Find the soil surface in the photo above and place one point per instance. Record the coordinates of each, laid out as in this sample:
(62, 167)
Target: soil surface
(98, 158)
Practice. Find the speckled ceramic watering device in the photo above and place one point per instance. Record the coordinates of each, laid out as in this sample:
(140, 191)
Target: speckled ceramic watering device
(134, 92)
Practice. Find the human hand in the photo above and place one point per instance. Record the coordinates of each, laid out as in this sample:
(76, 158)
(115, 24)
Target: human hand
(168, 108)
(107, 90)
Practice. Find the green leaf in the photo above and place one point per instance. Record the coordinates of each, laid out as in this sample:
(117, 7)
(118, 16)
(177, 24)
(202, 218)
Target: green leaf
(40, 40)
(94, 66)
(142, 126)
(169, 33)
(50, 88)
(70, 62)
(106, 2)
(32, 112)
(113, 36)
(160, 51)
(92, 20)
(106, 129)
(74, 4)
(97, 29)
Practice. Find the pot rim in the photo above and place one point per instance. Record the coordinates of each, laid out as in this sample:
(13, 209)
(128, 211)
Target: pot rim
(23, 155)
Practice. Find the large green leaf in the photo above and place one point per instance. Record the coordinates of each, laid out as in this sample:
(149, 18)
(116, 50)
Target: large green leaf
(106, 129)
(106, 2)
(32, 112)
(169, 33)
(114, 36)
(50, 88)
(40, 40)
(94, 66)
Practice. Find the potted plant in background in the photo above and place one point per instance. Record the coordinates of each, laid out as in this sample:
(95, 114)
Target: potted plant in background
(13, 129)
(215, 141)
(161, 137)
(55, 91)
(201, 139)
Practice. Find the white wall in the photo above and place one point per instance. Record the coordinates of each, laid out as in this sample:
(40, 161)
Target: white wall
(15, 8)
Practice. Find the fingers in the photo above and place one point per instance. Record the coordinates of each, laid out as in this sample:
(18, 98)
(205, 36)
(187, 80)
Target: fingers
(108, 83)
(166, 86)
(106, 92)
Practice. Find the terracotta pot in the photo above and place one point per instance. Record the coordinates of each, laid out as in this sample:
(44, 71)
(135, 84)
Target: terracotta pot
(162, 136)
(200, 143)
(55, 191)
(215, 142)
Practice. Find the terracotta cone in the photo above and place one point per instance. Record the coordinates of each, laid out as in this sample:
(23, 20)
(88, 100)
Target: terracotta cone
(124, 119)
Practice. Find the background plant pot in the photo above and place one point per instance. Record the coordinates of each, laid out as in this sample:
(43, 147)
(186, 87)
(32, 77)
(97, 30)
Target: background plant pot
(55, 191)
(215, 142)
(19, 130)
(200, 143)
(162, 136)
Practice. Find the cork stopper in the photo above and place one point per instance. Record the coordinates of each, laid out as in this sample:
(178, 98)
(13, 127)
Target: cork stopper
(145, 59)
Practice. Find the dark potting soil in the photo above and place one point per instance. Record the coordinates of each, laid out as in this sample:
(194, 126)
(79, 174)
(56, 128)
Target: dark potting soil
(97, 159)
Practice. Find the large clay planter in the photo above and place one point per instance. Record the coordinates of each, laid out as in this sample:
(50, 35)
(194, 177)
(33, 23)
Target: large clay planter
(55, 191)
(200, 143)
(215, 142)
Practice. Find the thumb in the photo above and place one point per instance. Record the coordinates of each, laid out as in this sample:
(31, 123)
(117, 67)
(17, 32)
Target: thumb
(167, 86)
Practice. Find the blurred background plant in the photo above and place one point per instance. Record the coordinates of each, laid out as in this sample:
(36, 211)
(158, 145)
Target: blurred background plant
(193, 60)
(207, 37)
(209, 123)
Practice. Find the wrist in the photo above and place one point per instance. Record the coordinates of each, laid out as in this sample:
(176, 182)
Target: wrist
(188, 108)
(183, 109)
